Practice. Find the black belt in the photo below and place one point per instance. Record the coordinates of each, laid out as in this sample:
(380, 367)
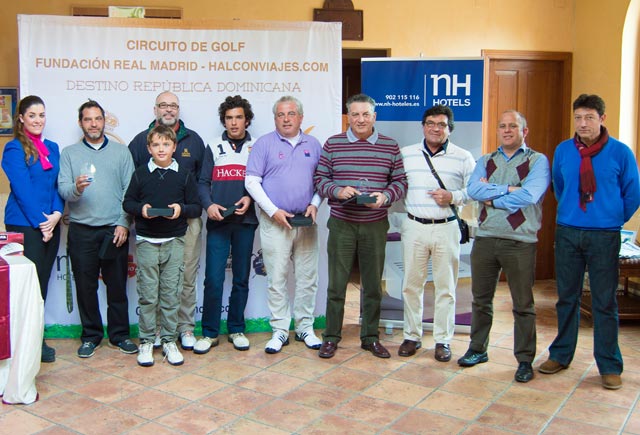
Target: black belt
(431, 221)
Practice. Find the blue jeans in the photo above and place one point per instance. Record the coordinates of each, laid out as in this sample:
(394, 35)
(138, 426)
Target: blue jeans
(597, 251)
(220, 240)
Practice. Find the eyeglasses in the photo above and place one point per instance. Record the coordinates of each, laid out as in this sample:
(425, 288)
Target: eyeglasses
(281, 115)
(165, 106)
(440, 125)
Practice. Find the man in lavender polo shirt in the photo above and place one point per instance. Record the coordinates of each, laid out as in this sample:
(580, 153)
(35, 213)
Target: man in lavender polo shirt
(279, 177)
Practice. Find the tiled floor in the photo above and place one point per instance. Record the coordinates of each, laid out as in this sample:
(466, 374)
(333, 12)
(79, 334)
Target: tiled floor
(233, 392)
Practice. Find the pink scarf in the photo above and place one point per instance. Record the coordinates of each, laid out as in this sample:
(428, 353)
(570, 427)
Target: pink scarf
(43, 152)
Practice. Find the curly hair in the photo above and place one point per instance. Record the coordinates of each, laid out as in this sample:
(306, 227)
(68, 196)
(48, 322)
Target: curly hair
(30, 151)
(235, 102)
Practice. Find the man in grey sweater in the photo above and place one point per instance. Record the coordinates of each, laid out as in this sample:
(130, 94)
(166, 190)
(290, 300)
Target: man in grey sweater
(94, 175)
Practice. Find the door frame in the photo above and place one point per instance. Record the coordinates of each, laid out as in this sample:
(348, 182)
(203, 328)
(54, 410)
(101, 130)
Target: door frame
(565, 127)
(492, 55)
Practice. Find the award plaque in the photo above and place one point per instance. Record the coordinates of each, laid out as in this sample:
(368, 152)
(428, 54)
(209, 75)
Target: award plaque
(229, 211)
(300, 220)
(364, 187)
(159, 212)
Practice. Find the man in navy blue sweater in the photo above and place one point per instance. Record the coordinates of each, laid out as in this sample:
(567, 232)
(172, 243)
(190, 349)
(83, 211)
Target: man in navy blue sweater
(231, 224)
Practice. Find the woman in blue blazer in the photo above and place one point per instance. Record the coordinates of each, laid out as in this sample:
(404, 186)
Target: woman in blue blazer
(34, 207)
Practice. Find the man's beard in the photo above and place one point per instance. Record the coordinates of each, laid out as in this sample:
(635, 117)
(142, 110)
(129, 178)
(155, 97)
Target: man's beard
(168, 123)
(94, 136)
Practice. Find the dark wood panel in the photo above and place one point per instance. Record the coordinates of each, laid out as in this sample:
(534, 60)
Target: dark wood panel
(537, 85)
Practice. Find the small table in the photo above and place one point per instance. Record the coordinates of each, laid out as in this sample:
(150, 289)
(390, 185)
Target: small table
(628, 304)
(18, 373)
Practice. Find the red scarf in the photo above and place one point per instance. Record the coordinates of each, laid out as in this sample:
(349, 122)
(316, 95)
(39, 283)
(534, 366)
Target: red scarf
(587, 177)
(43, 151)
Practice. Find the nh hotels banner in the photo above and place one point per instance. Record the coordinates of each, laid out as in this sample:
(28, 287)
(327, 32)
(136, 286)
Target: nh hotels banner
(125, 63)
(403, 90)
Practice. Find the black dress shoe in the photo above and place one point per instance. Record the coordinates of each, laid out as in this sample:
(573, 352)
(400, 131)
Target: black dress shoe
(328, 349)
(443, 352)
(377, 349)
(471, 358)
(524, 372)
(48, 353)
(409, 347)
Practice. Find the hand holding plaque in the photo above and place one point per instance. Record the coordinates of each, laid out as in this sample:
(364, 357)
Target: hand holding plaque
(364, 197)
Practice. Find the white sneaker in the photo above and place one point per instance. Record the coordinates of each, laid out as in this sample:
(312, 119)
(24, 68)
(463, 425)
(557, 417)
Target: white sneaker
(203, 345)
(171, 353)
(240, 342)
(145, 354)
(310, 339)
(187, 340)
(279, 339)
(157, 343)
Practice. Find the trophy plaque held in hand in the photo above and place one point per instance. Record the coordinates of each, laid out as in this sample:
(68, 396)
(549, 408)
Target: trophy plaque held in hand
(365, 191)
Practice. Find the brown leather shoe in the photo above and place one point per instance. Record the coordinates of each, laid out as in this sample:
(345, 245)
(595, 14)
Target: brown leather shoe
(377, 349)
(612, 382)
(409, 347)
(328, 349)
(443, 352)
(549, 367)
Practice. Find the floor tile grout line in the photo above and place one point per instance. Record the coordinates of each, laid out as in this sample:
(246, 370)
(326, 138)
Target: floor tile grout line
(567, 396)
(629, 413)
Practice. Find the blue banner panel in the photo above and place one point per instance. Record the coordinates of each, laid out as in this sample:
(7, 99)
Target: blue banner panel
(404, 89)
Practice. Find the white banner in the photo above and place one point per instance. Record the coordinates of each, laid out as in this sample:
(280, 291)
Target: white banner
(125, 63)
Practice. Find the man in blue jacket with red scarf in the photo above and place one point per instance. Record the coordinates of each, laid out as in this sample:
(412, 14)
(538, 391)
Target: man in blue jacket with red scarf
(595, 180)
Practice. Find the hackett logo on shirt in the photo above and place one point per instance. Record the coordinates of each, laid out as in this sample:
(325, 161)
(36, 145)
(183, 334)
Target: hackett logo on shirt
(307, 153)
(186, 153)
(228, 173)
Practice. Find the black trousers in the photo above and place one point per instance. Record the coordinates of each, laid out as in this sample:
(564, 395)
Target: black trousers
(42, 254)
(84, 244)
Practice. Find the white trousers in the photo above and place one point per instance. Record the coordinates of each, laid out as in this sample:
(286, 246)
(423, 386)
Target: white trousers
(281, 249)
(441, 243)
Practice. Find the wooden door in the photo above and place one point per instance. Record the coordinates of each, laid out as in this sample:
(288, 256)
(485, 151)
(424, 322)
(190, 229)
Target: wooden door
(537, 84)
